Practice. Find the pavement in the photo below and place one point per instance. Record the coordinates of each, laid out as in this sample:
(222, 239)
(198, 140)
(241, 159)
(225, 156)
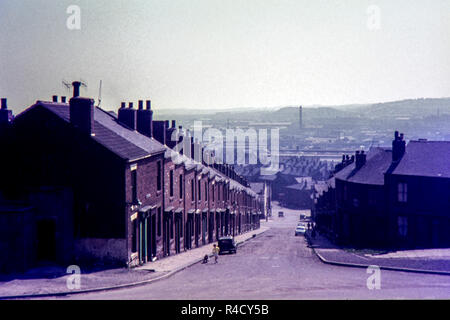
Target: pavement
(53, 280)
(433, 261)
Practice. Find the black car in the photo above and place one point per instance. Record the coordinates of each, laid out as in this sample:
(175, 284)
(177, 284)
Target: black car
(227, 244)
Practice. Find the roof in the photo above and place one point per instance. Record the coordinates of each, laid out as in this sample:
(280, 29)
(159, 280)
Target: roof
(299, 186)
(372, 172)
(425, 158)
(257, 187)
(127, 144)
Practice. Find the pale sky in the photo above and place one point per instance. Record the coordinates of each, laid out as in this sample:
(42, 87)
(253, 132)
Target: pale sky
(213, 54)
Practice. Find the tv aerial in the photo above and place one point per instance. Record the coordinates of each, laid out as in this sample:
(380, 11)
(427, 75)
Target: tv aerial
(76, 84)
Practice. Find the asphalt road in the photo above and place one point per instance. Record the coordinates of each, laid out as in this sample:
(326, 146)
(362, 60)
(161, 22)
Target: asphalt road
(278, 265)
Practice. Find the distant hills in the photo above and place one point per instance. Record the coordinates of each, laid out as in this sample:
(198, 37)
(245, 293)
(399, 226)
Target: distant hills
(409, 108)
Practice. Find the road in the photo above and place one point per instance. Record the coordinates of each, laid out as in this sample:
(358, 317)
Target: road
(278, 265)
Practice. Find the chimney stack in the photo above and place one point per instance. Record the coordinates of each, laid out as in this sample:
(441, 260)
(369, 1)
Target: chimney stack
(82, 114)
(159, 131)
(127, 116)
(360, 159)
(4, 104)
(145, 119)
(398, 147)
(6, 115)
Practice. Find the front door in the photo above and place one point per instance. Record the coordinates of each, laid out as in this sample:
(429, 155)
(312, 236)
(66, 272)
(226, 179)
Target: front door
(177, 234)
(151, 237)
(166, 228)
(211, 227)
(46, 242)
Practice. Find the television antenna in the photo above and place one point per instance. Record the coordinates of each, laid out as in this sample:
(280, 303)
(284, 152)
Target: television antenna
(69, 85)
(99, 94)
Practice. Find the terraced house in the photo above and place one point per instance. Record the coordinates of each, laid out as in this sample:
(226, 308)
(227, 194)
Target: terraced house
(390, 197)
(101, 187)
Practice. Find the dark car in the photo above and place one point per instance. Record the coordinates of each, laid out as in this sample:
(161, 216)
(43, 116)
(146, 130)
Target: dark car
(227, 244)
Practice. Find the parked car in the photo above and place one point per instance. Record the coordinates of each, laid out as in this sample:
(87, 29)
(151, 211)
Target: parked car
(280, 213)
(300, 230)
(227, 244)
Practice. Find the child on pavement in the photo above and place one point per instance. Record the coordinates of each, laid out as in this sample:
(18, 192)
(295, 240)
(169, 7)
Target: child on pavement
(215, 253)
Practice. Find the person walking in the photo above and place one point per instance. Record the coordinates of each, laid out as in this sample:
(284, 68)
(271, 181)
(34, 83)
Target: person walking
(215, 252)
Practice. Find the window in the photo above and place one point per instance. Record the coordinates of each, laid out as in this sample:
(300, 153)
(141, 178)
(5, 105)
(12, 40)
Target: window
(159, 221)
(134, 185)
(199, 190)
(192, 189)
(213, 195)
(402, 223)
(206, 191)
(402, 192)
(181, 186)
(158, 175)
(171, 183)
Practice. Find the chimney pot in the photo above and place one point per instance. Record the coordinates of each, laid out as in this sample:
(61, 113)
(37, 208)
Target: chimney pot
(174, 124)
(141, 104)
(123, 105)
(55, 98)
(76, 88)
(63, 99)
(148, 104)
(130, 105)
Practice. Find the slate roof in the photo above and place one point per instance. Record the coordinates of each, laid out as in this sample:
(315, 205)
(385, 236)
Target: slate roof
(127, 144)
(372, 172)
(425, 158)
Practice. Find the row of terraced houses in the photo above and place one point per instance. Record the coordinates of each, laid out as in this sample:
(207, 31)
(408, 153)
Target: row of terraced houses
(83, 184)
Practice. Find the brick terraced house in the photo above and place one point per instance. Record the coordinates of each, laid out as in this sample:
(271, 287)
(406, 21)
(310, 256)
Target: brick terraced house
(93, 186)
(390, 197)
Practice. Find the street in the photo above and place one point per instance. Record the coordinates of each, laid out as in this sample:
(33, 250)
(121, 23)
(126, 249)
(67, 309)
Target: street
(279, 265)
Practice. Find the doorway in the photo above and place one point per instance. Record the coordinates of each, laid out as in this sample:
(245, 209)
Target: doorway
(46, 240)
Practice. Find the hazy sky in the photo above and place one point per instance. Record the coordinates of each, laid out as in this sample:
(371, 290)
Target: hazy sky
(226, 53)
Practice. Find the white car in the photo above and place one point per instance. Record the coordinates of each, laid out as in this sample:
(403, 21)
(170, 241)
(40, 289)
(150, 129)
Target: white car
(300, 230)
